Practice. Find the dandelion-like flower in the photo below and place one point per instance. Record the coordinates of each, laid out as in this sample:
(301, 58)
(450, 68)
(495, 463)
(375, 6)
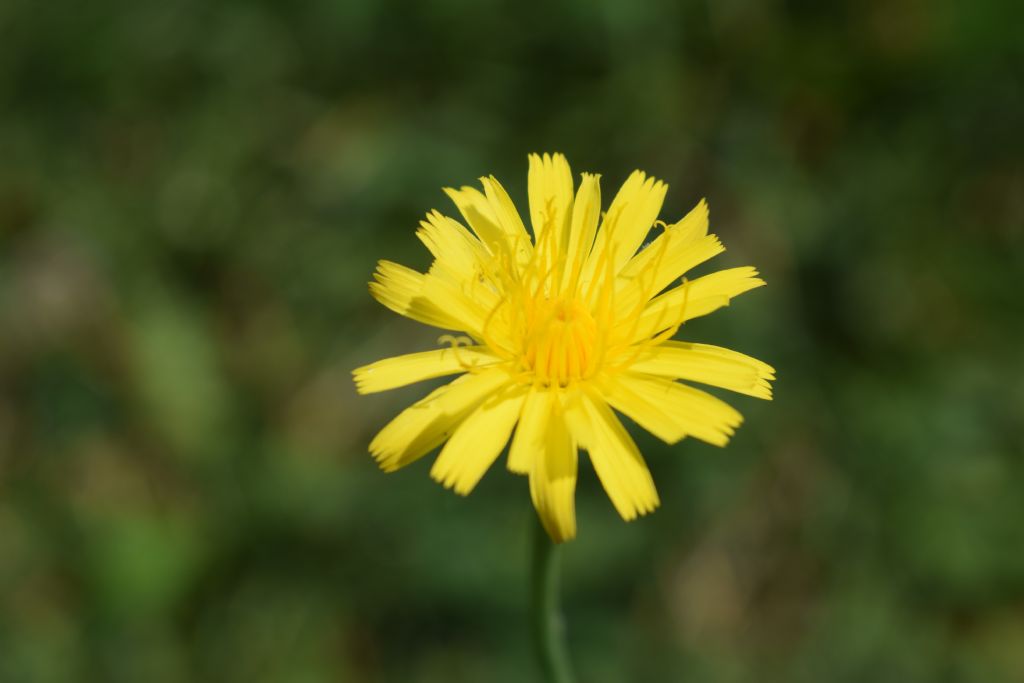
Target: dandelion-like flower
(555, 332)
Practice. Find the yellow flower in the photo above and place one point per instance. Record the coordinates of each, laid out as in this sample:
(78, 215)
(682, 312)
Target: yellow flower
(560, 330)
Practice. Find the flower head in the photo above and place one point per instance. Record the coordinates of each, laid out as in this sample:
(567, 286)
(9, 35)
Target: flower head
(556, 333)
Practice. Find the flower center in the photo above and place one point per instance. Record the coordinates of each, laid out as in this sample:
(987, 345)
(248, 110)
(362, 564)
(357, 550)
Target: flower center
(561, 341)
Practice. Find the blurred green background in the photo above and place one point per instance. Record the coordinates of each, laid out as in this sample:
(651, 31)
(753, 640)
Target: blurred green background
(193, 196)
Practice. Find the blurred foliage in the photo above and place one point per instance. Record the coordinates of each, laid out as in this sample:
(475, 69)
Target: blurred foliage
(194, 194)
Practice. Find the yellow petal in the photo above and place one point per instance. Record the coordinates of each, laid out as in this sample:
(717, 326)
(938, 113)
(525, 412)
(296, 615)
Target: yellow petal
(533, 424)
(478, 441)
(415, 367)
(671, 410)
(635, 291)
(433, 298)
(707, 364)
(553, 481)
(691, 300)
(456, 251)
(671, 255)
(629, 218)
(692, 227)
(694, 224)
(425, 425)
(550, 191)
(504, 211)
(401, 289)
(617, 461)
(475, 208)
(586, 211)
(470, 312)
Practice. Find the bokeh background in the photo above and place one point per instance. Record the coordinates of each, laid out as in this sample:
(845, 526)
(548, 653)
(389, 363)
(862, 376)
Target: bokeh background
(193, 196)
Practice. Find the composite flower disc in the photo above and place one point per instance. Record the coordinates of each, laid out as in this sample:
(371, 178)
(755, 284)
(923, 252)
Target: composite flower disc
(554, 330)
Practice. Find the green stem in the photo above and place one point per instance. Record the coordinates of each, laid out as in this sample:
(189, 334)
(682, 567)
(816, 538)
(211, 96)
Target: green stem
(548, 625)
